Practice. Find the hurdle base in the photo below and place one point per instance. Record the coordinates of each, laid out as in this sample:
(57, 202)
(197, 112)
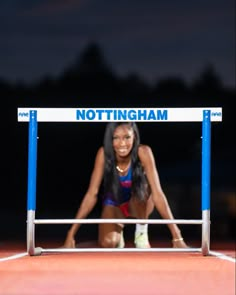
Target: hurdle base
(114, 250)
(36, 251)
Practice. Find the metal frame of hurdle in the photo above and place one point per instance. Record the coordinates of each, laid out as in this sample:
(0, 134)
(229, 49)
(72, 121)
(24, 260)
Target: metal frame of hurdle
(35, 115)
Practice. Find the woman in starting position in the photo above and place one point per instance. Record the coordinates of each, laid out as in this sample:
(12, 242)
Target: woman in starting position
(131, 187)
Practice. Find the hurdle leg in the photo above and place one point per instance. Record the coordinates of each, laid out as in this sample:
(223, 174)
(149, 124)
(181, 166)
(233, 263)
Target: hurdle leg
(205, 232)
(31, 194)
(206, 159)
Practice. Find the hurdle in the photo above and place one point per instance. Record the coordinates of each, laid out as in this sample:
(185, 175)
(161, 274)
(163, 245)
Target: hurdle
(204, 115)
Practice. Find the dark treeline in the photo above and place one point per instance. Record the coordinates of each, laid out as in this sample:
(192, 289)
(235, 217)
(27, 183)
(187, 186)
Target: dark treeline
(66, 151)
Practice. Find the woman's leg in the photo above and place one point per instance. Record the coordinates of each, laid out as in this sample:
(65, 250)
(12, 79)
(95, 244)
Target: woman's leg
(141, 210)
(109, 234)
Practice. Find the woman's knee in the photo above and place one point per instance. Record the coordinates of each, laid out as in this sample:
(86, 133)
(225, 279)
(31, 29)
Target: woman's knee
(109, 234)
(110, 240)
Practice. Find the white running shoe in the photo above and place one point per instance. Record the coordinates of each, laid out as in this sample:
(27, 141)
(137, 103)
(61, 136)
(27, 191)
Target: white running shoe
(141, 240)
(121, 243)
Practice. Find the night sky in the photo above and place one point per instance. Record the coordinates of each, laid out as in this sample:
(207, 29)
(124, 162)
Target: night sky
(154, 39)
(151, 38)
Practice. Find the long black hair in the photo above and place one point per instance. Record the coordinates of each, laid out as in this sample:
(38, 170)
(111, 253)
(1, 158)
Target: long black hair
(111, 176)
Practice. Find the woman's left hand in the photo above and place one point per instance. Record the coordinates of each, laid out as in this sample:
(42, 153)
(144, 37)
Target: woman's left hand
(179, 243)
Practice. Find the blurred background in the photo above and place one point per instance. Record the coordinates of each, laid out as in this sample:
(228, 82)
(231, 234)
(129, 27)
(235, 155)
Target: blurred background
(92, 53)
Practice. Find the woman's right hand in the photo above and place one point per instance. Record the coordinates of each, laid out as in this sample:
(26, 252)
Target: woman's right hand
(69, 242)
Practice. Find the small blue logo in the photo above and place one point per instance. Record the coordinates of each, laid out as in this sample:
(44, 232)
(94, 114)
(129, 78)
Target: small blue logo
(23, 114)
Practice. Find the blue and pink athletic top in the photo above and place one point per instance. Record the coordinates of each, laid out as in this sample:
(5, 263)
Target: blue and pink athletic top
(126, 183)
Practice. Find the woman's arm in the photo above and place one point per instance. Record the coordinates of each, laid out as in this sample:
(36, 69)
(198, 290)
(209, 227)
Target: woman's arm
(160, 201)
(90, 198)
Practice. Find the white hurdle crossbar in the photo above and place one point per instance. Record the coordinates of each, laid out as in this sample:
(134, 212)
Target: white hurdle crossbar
(34, 115)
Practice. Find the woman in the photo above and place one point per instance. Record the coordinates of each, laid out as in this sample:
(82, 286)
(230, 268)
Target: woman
(131, 188)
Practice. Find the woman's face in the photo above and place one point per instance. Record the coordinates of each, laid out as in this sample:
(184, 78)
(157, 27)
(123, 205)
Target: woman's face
(123, 139)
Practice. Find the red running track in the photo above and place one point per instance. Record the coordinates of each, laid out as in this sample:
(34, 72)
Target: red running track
(116, 273)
